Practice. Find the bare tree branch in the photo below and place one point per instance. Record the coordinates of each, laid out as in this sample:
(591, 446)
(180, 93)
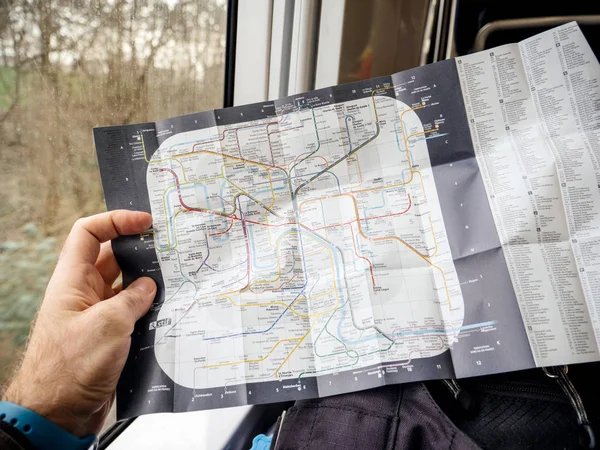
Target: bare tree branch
(17, 66)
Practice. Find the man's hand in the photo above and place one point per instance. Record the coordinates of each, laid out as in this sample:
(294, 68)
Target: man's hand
(81, 338)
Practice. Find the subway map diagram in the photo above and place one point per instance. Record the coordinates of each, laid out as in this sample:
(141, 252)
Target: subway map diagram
(326, 242)
(310, 242)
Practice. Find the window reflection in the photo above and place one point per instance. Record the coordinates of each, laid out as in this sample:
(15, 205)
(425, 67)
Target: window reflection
(65, 67)
(381, 37)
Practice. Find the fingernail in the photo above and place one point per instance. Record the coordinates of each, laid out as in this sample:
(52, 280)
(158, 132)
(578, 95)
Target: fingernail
(144, 284)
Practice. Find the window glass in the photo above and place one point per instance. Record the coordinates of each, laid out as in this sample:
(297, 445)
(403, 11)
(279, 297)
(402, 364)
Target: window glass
(65, 67)
(381, 37)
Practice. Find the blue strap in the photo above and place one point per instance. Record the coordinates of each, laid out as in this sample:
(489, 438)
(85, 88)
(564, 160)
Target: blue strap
(40, 432)
(261, 442)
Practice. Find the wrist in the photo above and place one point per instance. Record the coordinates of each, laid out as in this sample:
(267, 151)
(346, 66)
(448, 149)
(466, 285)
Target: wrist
(40, 433)
(45, 402)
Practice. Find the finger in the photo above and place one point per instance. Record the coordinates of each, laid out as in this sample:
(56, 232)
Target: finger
(117, 287)
(135, 301)
(107, 264)
(83, 242)
(108, 292)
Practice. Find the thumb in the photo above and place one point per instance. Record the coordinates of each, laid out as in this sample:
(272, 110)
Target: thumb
(135, 301)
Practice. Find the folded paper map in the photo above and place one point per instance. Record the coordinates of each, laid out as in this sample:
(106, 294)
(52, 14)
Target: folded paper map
(442, 222)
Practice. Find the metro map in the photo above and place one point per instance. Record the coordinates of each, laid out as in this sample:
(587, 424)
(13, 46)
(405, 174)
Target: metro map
(311, 242)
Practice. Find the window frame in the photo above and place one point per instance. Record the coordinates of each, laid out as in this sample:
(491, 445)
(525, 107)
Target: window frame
(289, 47)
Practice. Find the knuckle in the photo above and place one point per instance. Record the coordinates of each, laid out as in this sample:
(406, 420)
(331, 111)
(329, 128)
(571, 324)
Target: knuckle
(129, 298)
(109, 313)
(110, 319)
(80, 223)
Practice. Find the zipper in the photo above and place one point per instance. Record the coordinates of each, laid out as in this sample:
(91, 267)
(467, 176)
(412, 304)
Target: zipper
(525, 389)
(452, 386)
(281, 418)
(587, 438)
(464, 398)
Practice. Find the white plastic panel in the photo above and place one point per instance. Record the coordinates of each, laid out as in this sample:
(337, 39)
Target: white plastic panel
(253, 49)
(329, 50)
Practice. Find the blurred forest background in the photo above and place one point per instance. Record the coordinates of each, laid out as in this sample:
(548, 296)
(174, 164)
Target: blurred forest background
(67, 66)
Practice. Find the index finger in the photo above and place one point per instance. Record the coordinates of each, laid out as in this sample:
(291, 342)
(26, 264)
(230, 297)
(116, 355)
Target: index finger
(83, 242)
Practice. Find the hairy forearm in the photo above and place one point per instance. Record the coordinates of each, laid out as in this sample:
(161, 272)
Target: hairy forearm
(34, 386)
(82, 335)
